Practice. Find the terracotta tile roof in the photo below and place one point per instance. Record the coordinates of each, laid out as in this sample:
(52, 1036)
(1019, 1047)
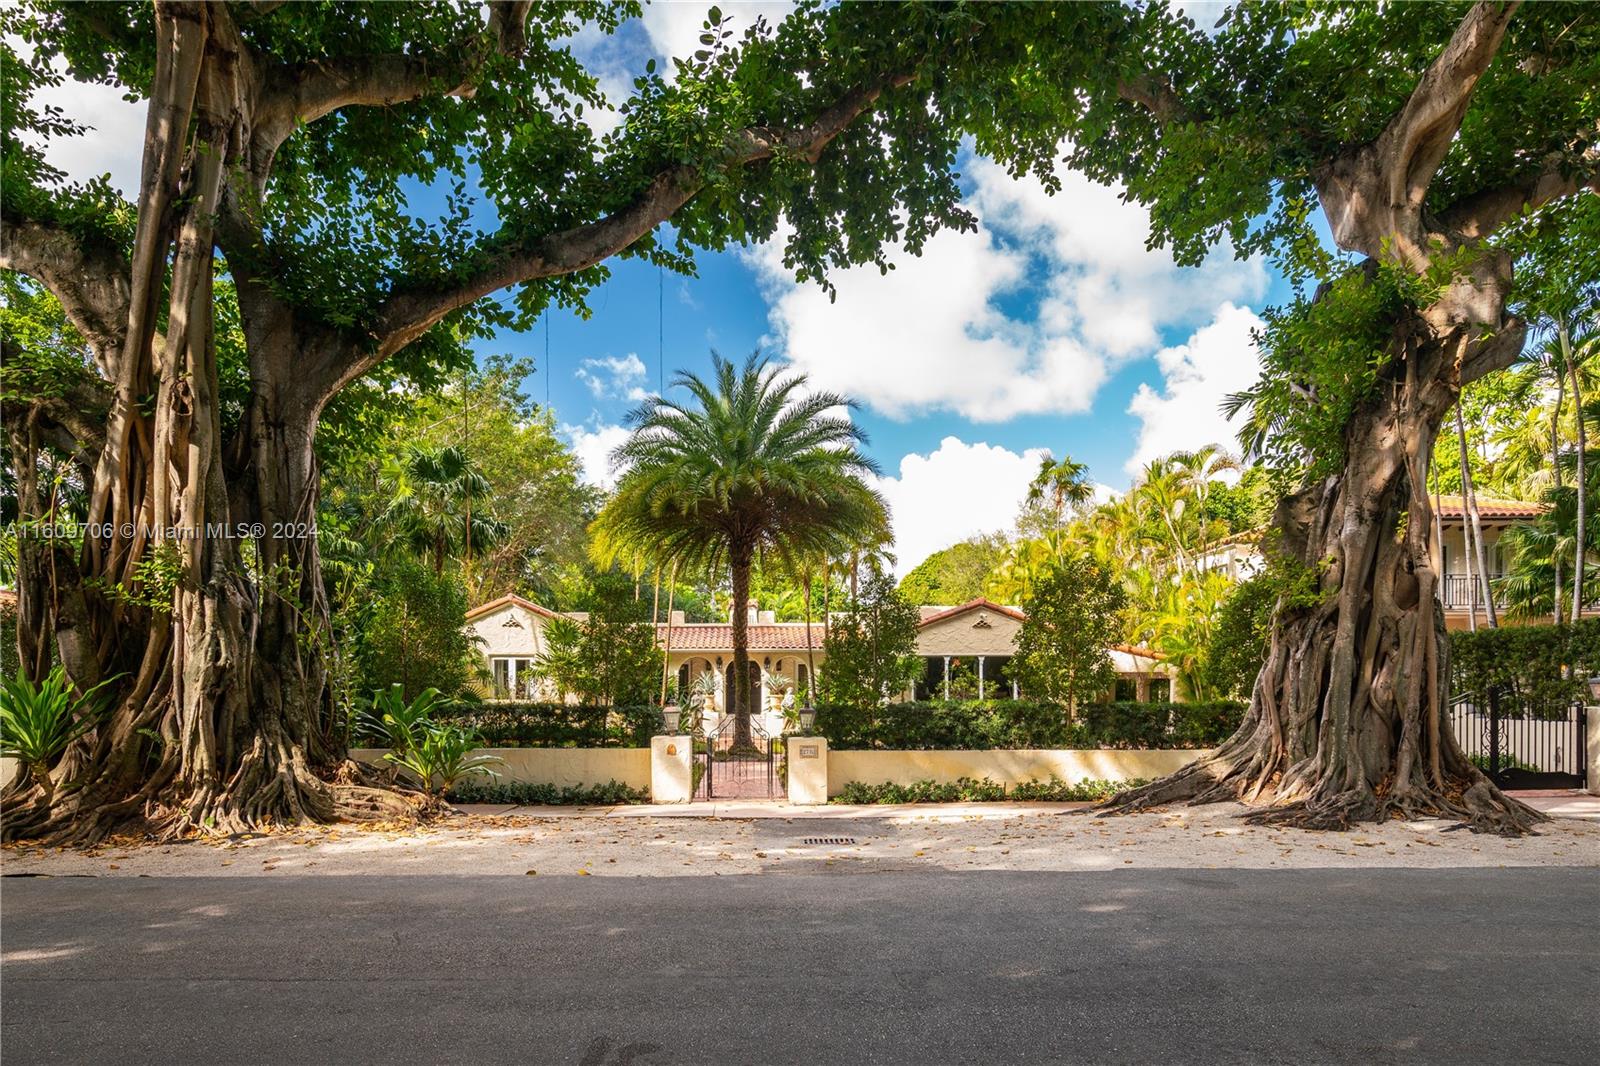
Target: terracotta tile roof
(1490, 507)
(711, 636)
(941, 613)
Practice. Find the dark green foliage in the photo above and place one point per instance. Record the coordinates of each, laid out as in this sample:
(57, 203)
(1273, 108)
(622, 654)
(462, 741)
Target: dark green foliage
(413, 633)
(504, 724)
(970, 790)
(1074, 612)
(1239, 639)
(1016, 724)
(1538, 669)
(540, 794)
(611, 656)
(10, 664)
(871, 649)
(956, 574)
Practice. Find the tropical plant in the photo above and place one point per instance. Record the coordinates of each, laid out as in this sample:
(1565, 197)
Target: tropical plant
(1072, 616)
(39, 719)
(750, 465)
(439, 755)
(610, 656)
(870, 647)
(438, 505)
(399, 723)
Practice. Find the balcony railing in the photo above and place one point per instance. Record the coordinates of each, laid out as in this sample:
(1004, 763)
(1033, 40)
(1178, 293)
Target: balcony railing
(1461, 593)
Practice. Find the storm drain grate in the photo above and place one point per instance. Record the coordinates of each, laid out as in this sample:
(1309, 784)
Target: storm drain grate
(828, 840)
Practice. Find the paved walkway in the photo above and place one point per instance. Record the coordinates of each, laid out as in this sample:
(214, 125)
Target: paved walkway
(1560, 804)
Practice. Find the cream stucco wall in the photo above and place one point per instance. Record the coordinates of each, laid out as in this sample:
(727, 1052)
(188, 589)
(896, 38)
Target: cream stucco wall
(510, 631)
(975, 632)
(1009, 767)
(561, 767)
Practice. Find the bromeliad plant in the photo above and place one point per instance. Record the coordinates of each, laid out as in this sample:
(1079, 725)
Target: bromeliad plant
(39, 719)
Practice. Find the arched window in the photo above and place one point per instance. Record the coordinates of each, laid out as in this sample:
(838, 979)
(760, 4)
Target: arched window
(802, 683)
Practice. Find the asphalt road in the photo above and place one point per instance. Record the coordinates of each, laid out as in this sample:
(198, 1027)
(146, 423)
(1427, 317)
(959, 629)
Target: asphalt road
(1457, 966)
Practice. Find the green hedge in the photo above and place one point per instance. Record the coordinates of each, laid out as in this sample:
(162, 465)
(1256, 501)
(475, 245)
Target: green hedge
(516, 724)
(983, 790)
(1534, 667)
(530, 794)
(999, 724)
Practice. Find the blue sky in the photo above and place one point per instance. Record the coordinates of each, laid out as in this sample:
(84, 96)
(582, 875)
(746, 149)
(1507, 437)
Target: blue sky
(1051, 328)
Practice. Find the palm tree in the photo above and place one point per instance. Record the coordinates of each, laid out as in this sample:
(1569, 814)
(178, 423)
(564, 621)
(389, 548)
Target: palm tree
(1060, 483)
(750, 466)
(431, 507)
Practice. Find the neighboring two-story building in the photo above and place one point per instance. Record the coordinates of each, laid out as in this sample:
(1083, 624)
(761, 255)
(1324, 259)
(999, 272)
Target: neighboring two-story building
(1460, 590)
(965, 649)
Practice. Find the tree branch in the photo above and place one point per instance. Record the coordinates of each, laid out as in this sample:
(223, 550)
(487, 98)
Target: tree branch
(414, 309)
(1481, 213)
(1373, 194)
(89, 279)
(1418, 138)
(1155, 96)
(293, 93)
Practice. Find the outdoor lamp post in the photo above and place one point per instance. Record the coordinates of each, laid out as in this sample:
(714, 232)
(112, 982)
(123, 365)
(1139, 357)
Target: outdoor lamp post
(669, 718)
(1594, 688)
(808, 718)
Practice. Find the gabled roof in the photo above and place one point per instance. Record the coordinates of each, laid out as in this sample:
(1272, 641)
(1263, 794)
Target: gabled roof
(510, 599)
(980, 603)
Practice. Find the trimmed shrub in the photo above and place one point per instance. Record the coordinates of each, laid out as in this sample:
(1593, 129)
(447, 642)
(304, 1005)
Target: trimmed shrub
(532, 794)
(999, 724)
(508, 724)
(1539, 668)
(983, 790)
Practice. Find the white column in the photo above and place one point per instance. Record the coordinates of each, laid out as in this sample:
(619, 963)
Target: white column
(980, 677)
(947, 677)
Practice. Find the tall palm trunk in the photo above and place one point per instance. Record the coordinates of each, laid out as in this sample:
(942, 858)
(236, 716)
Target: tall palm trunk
(1469, 499)
(1555, 469)
(666, 654)
(811, 662)
(1582, 486)
(740, 559)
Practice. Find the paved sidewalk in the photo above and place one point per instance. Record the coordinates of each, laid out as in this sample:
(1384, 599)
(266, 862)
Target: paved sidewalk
(746, 809)
(1560, 804)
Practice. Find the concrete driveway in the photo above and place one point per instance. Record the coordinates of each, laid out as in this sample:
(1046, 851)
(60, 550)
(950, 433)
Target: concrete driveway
(1127, 966)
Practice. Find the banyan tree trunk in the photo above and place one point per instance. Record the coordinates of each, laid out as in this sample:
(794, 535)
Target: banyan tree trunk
(1347, 721)
(220, 720)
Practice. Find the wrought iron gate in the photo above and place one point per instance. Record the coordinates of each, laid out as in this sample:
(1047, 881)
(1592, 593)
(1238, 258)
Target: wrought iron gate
(1521, 747)
(735, 770)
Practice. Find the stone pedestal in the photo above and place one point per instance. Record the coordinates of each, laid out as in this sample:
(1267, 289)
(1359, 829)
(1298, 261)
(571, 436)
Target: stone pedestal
(808, 769)
(671, 769)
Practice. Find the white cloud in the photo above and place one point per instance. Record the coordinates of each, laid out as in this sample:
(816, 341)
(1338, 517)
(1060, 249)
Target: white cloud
(614, 377)
(958, 491)
(1028, 315)
(1216, 360)
(593, 445)
(112, 144)
(675, 26)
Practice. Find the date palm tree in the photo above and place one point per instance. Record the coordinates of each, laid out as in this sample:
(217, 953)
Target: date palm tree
(750, 465)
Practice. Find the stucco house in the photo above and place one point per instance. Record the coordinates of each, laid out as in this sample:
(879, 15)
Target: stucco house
(965, 650)
(1460, 590)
